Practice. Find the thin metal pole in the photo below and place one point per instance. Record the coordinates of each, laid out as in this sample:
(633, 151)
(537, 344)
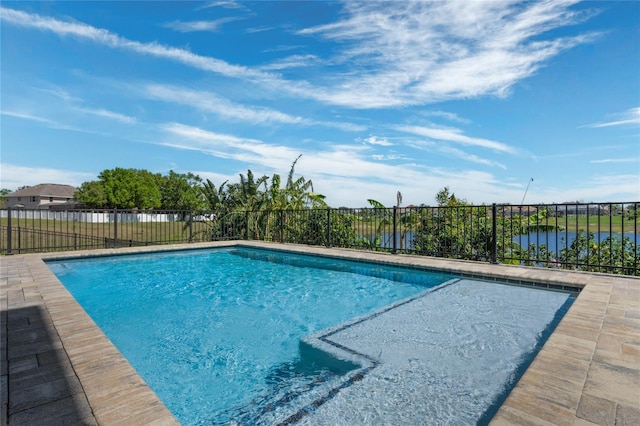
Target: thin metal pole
(9, 231)
(525, 191)
(494, 234)
(328, 227)
(395, 225)
(115, 227)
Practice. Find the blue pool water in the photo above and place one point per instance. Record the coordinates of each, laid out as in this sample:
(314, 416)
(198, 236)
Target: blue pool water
(216, 333)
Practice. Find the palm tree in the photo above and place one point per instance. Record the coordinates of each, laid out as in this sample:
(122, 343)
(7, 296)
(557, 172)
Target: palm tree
(297, 195)
(215, 198)
(246, 196)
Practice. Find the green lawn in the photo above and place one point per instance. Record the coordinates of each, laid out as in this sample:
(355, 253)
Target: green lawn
(616, 224)
(37, 234)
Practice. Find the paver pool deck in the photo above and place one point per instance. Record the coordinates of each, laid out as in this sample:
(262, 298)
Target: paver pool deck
(58, 367)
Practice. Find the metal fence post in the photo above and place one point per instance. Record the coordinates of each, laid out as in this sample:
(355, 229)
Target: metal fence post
(328, 227)
(494, 234)
(395, 229)
(281, 225)
(9, 231)
(246, 220)
(115, 227)
(190, 227)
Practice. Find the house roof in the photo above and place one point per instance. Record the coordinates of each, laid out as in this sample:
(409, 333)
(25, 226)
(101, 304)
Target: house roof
(45, 190)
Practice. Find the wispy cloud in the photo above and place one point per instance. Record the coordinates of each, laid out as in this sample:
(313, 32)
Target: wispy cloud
(294, 61)
(278, 48)
(29, 117)
(260, 30)
(60, 94)
(455, 136)
(616, 160)
(252, 151)
(52, 124)
(105, 37)
(446, 115)
(455, 152)
(374, 140)
(211, 102)
(108, 114)
(388, 157)
(630, 117)
(223, 4)
(193, 26)
(417, 52)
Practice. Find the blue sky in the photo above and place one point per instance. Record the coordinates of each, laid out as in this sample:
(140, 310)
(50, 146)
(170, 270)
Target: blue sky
(378, 97)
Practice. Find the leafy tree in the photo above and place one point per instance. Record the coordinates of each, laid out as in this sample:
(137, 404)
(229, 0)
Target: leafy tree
(587, 254)
(3, 198)
(446, 198)
(215, 198)
(181, 192)
(632, 212)
(300, 193)
(616, 209)
(297, 195)
(321, 226)
(122, 188)
(222, 221)
(453, 229)
(381, 218)
(260, 197)
(92, 194)
(246, 194)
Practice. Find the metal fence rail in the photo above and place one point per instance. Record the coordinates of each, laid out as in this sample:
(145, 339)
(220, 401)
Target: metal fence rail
(591, 237)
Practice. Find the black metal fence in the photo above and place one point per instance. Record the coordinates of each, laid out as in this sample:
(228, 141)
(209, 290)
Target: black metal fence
(591, 237)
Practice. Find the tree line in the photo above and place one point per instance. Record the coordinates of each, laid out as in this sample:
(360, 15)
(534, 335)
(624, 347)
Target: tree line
(140, 189)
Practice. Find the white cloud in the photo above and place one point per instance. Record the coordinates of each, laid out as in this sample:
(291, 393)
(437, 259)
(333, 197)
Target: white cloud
(630, 117)
(13, 176)
(278, 48)
(455, 152)
(208, 101)
(193, 26)
(30, 117)
(293, 61)
(446, 115)
(108, 114)
(247, 150)
(223, 107)
(223, 4)
(60, 93)
(374, 140)
(106, 38)
(616, 160)
(52, 124)
(456, 136)
(417, 52)
(387, 157)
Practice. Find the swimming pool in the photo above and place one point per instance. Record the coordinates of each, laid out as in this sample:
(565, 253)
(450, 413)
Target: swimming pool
(215, 333)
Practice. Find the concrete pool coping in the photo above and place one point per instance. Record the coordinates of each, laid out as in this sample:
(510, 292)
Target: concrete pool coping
(58, 366)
